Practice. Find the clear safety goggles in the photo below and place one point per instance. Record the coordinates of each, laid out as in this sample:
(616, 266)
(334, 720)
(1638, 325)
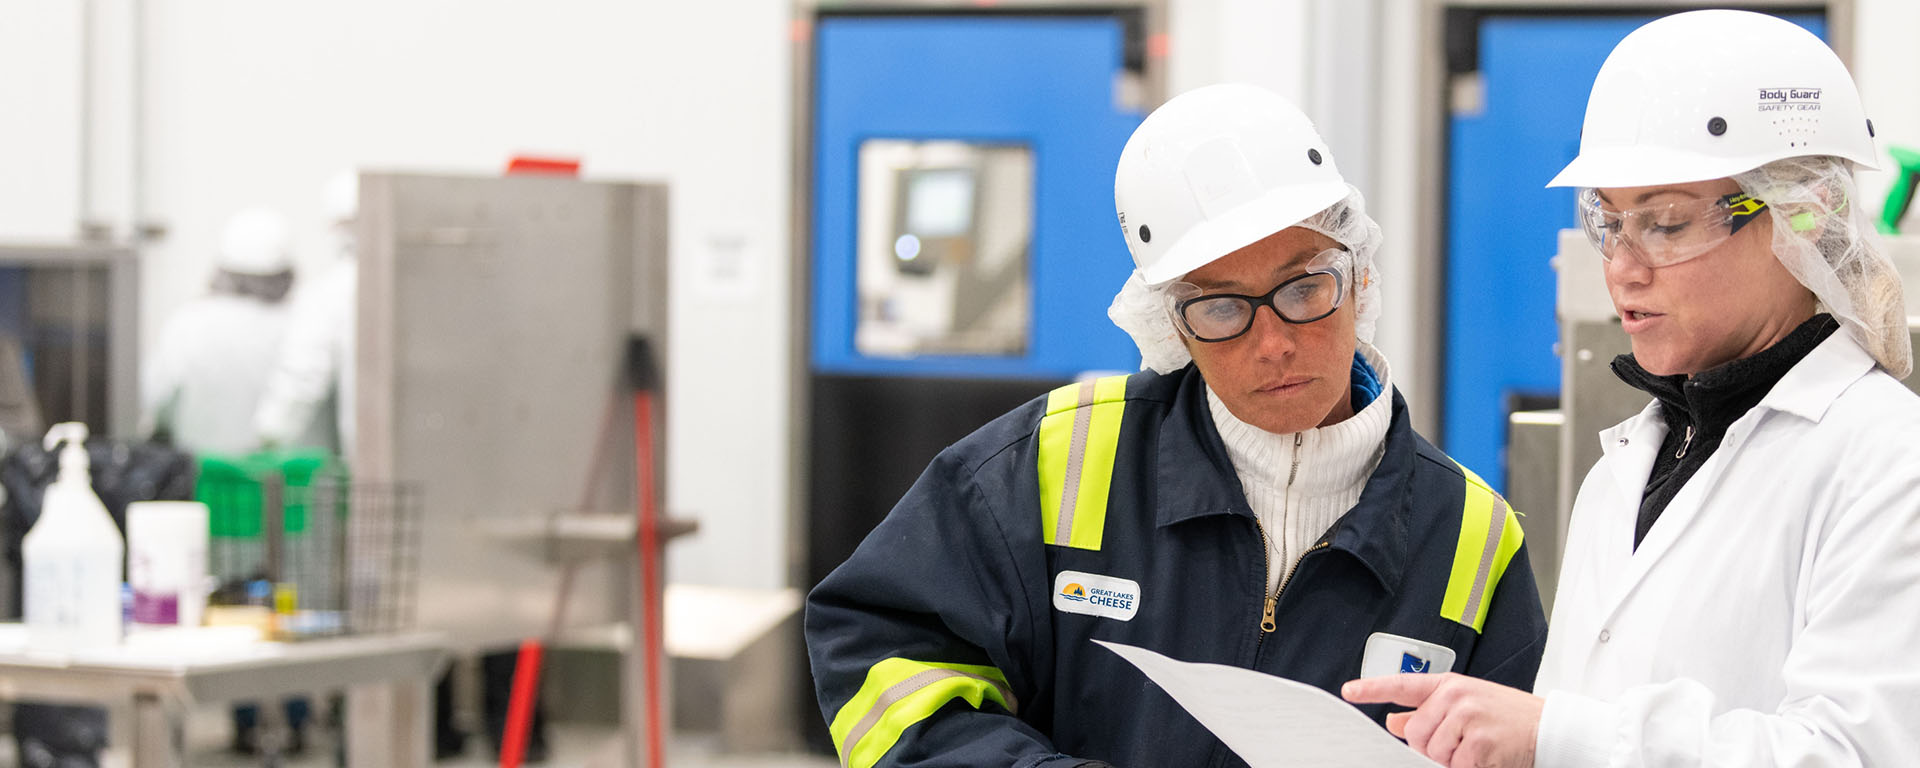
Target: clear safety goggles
(1667, 234)
(1301, 299)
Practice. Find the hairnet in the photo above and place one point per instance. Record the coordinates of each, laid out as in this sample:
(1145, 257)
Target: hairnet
(1836, 251)
(1142, 311)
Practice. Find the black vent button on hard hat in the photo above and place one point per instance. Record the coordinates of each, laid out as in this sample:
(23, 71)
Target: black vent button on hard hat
(1314, 155)
(1869, 129)
(1717, 126)
(1146, 235)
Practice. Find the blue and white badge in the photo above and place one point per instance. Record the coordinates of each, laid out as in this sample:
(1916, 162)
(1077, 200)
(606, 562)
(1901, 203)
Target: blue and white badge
(1092, 594)
(1389, 654)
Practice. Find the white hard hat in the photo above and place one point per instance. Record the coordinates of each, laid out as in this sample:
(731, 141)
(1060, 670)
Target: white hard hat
(255, 243)
(1217, 169)
(1709, 94)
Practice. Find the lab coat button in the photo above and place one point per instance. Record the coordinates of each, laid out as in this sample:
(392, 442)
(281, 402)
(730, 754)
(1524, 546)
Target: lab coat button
(1605, 635)
(1623, 441)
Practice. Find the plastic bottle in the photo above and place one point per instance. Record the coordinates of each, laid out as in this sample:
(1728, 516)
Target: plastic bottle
(167, 562)
(74, 558)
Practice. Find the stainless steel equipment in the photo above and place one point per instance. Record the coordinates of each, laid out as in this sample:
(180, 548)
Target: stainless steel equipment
(494, 314)
(74, 312)
(494, 318)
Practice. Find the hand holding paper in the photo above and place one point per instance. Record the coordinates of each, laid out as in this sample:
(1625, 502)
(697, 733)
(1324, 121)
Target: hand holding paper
(1459, 720)
(1272, 722)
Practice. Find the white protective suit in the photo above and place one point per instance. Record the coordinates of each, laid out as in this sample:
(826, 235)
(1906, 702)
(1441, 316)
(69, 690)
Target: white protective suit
(1771, 617)
(208, 371)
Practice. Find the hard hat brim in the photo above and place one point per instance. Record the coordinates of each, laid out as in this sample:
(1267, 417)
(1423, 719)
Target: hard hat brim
(1645, 166)
(1244, 225)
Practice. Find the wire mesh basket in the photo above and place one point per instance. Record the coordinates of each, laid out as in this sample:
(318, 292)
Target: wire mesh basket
(304, 550)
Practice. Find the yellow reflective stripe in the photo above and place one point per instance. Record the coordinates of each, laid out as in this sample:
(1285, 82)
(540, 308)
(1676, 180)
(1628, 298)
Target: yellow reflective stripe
(900, 692)
(1079, 437)
(1489, 536)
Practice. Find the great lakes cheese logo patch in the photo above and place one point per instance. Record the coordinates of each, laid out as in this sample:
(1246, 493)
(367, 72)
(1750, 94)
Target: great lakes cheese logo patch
(1091, 594)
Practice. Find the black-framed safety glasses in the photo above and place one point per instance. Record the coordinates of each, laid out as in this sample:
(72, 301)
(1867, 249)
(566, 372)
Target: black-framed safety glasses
(1301, 299)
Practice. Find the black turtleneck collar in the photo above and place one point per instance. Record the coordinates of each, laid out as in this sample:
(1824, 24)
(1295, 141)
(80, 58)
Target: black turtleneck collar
(1698, 410)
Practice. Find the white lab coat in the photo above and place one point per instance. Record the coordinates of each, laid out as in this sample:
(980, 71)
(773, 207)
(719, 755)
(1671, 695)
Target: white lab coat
(1772, 616)
(205, 376)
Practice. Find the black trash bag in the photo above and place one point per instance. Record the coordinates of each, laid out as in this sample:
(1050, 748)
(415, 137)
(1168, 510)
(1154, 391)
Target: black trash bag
(122, 473)
(50, 735)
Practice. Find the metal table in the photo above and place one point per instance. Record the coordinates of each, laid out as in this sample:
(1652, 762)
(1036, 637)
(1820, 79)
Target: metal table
(151, 682)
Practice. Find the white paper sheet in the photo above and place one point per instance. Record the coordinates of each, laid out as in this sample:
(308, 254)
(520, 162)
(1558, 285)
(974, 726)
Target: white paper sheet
(1272, 722)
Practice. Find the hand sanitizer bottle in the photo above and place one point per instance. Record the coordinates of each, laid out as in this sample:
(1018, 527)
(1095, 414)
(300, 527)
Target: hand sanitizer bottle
(73, 557)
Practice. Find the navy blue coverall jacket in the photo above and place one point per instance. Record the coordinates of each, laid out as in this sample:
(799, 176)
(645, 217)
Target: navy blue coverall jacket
(938, 642)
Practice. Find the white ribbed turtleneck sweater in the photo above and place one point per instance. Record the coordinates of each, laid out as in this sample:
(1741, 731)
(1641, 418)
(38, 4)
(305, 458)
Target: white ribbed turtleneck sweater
(1300, 484)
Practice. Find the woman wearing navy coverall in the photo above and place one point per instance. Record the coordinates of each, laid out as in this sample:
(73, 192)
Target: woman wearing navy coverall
(1258, 499)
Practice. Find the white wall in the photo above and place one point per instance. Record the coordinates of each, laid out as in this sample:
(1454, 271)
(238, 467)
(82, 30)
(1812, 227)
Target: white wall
(39, 143)
(1263, 42)
(258, 103)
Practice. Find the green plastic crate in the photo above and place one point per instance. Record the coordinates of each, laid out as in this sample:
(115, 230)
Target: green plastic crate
(233, 488)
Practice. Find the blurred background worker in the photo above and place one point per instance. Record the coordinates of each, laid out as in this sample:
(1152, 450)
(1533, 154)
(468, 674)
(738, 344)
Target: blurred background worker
(215, 352)
(212, 367)
(307, 401)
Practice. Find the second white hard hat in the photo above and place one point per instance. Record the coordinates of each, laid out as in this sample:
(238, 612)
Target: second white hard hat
(1708, 94)
(1217, 169)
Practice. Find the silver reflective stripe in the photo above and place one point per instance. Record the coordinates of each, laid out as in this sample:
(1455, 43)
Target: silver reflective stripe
(1076, 456)
(903, 689)
(1496, 525)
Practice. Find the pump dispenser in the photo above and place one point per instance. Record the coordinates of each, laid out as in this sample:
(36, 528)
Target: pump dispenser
(74, 557)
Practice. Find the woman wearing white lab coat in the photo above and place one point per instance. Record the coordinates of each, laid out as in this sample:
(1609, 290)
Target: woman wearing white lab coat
(1741, 584)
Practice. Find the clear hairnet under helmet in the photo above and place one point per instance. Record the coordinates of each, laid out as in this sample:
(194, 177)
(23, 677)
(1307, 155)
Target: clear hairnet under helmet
(1215, 170)
(1829, 241)
(1733, 94)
